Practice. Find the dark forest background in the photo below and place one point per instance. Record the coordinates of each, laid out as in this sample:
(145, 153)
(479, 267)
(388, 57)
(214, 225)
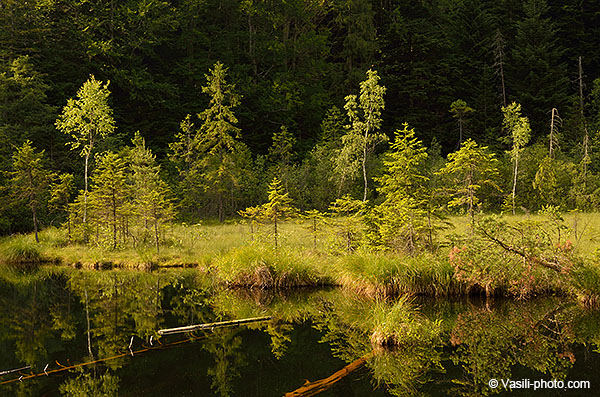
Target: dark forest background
(292, 62)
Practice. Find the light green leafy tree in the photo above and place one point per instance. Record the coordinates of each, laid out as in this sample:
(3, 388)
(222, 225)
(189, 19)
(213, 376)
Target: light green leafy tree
(470, 168)
(520, 131)
(30, 179)
(151, 203)
(364, 113)
(86, 119)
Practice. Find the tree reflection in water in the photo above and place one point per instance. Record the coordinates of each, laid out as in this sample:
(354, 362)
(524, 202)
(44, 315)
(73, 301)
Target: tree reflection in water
(439, 346)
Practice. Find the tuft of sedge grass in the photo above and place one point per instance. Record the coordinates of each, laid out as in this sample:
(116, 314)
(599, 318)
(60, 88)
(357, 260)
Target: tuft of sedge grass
(399, 324)
(586, 281)
(381, 275)
(21, 253)
(259, 266)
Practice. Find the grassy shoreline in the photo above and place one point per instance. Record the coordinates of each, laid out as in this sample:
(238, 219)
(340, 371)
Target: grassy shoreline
(235, 258)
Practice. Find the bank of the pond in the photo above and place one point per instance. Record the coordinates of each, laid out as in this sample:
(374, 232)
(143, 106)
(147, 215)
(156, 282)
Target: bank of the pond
(232, 257)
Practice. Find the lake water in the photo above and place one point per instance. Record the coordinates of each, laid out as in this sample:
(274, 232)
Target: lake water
(95, 333)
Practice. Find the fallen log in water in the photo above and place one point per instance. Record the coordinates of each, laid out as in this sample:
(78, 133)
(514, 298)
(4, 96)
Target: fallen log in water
(197, 327)
(319, 386)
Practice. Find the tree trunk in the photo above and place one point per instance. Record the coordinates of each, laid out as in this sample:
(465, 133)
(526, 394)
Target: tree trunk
(87, 319)
(364, 166)
(471, 200)
(35, 223)
(114, 222)
(85, 191)
(156, 233)
(275, 223)
(551, 148)
(514, 189)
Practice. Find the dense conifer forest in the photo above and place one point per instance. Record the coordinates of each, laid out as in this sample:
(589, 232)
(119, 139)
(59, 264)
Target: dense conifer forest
(129, 114)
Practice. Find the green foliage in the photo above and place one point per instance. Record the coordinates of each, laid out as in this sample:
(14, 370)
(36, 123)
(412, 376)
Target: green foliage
(30, 180)
(85, 384)
(21, 252)
(364, 114)
(281, 154)
(109, 199)
(520, 131)
(348, 222)
(399, 221)
(88, 117)
(151, 203)
(279, 206)
(207, 159)
(470, 168)
(522, 259)
(24, 109)
(460, 111)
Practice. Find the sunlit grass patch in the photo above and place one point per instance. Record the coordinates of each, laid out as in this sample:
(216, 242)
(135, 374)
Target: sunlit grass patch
(21, 253)
(377, 274)
(259, 266)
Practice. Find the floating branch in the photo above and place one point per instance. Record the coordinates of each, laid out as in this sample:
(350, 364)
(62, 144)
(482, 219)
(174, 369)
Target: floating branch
(10, 371)
(197, 327)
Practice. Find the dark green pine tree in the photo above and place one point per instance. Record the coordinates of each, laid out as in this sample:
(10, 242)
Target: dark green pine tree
(30, 179)
(536, 77)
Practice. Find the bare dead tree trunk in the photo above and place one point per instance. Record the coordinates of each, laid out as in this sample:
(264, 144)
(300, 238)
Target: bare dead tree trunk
(499, 50)
(364, 166)
(585, 130)
(514, 189)
(551, 148)
(87, 319)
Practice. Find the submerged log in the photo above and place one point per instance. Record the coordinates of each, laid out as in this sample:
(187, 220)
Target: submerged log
(319, 386)
(197, 327)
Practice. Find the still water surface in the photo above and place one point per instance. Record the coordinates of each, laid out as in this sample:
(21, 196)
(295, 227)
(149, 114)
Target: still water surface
(95, 333)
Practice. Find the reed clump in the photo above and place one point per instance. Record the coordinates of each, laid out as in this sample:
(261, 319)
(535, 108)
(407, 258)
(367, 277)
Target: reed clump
(586, 282)
(21, 253)
(381, 275)
(399, 324)
(258, 266)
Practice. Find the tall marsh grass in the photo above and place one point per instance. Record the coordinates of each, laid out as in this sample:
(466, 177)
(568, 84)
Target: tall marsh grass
(376, 274)
(21, 253)
(259, 266)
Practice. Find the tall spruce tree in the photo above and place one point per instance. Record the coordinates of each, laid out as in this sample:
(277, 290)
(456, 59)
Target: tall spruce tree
(151, 203)
(469, 168)
(400, 218)
(536, 75)
(30, 179)
(110, 196)
(217, 138)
